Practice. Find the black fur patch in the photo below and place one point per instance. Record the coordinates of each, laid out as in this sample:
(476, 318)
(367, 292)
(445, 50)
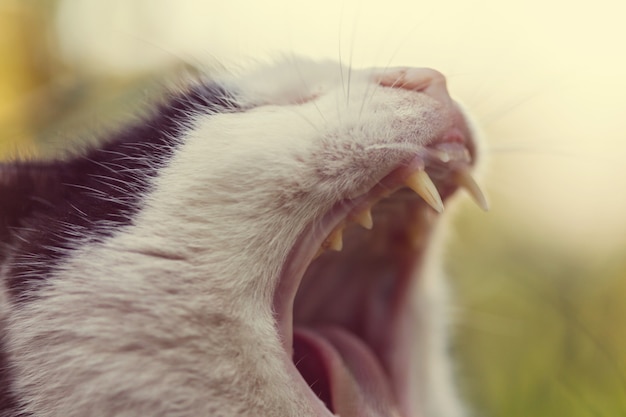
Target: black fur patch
(45, 206)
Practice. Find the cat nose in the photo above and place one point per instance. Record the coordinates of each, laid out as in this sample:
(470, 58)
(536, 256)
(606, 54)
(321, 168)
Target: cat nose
(425, 80)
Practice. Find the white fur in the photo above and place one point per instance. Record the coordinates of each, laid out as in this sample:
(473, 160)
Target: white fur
(172, 316)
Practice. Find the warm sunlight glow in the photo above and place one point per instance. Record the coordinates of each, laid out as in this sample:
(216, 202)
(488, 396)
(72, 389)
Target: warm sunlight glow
(543, 78)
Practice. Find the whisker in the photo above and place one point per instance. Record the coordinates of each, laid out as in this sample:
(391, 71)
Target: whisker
(343, 84)
(314, 125)
(307, 87)
(521, 150)
(394, 146)
(367, 97)
(585, 155)
(352, 43)
(189, 60)
(396, 50)
(503, 110)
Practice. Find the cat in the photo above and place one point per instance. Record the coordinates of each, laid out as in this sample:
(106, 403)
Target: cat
(260, 244)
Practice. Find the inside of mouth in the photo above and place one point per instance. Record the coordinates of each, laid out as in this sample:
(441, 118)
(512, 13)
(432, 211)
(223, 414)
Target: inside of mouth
(349, 312)
(344, 316)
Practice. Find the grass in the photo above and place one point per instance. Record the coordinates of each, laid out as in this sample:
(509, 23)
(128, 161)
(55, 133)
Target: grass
(540, 332)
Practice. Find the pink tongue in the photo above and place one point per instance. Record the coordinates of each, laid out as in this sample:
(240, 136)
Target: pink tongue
(343, 372)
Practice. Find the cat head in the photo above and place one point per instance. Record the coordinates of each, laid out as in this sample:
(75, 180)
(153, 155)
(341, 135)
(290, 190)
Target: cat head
(242, 208)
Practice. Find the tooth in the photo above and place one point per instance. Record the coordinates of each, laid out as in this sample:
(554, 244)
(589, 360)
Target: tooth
(465, 180)
(420, 182)
(335, 240)
(443, 156)
(364, 219)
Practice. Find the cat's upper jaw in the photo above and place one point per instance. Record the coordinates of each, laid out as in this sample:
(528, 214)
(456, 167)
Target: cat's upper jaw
(191, 302)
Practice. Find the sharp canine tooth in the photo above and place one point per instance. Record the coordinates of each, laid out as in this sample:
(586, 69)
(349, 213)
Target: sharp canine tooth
(364, 219)
(420, 182)
(465, 180)
(335, 240)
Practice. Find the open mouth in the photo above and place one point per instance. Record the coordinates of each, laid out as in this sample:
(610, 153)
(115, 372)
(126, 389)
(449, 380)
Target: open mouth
(343, 302)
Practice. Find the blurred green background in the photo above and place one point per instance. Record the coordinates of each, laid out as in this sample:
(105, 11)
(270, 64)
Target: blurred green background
(539, 281)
